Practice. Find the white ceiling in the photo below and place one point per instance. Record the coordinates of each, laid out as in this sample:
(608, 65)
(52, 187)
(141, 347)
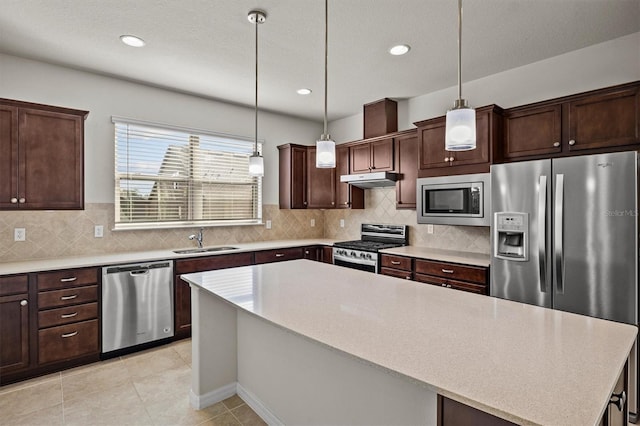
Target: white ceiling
(206, 47)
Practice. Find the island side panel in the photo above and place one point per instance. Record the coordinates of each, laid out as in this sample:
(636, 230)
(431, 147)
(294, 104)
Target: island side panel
(289, 379)
(214, 363)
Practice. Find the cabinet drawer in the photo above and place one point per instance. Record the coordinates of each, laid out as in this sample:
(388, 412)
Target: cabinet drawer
(407, 275)
(67, 315)
(451, 270)
(67, 278)
(67, 297)
(395, 262)
(279, 255)
(210, 263)
(68, 341)
(14, 284)
(449, 283)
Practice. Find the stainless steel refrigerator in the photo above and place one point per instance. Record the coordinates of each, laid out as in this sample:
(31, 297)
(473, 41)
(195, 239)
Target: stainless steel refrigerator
(565, 236)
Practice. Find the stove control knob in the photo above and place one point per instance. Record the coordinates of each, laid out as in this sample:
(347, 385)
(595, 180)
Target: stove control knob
(369, 256)
(353, 253)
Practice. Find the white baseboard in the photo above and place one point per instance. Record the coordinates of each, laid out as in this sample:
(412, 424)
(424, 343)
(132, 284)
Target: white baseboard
(257, 406)
(202, 401)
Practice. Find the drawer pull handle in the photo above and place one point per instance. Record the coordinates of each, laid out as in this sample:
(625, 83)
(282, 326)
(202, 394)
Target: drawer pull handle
(73, 296)
(446, 285)
(448, 271)
(69, 315)
(279, 254)
(68, 280)
(395, 262)
(408, 277)
(64, 336)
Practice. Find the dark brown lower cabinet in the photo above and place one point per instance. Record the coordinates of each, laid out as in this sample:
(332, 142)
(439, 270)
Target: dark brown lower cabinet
(14, 324)
(68, 341)
(279, 255)
(182, 313)
(453, 413)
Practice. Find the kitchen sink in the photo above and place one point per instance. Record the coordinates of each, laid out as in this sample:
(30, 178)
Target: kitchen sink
(204, 250)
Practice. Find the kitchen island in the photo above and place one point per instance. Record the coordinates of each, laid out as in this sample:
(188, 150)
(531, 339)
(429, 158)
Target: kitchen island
(310, 343)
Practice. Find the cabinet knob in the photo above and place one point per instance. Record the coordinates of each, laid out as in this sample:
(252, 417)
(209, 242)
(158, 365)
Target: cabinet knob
(333, 203)
(556, 144)
(22, 200)
(346, 203)
(23, 303)
(14, 201)
(407, 277)
(446, 159)
(572, 142)
(304, 202)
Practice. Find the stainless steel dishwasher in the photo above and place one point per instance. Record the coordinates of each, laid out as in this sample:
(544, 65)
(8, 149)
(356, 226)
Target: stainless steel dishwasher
(137, 304)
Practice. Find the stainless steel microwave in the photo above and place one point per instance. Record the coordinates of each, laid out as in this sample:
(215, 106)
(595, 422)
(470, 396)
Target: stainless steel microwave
(455, 200)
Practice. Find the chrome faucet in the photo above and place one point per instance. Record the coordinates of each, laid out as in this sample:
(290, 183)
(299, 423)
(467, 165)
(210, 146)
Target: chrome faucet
(198, 237)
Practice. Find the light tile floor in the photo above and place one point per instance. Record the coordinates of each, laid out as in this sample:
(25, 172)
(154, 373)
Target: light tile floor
(145, 388)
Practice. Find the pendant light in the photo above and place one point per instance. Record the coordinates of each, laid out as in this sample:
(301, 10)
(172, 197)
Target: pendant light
(461, 119)
(325, 146)
(256, 162)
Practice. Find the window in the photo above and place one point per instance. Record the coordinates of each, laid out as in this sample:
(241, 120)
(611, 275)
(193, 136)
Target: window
(175, 177)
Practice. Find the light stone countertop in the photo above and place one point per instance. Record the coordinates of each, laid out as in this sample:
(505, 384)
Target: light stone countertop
(37, 265)
(463, 257)
(527, 364)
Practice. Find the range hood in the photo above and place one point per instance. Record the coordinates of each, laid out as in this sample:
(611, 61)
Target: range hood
(371, 180)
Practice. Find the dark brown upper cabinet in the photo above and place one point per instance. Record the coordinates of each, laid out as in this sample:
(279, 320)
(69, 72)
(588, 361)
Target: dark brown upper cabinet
(374, 156)
(406, 147)
(380, 118)
(347, 196)
(434, 160)
(598, 121)
(41, 157)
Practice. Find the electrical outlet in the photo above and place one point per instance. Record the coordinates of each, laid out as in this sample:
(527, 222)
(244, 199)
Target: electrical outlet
(98, 231)
(429, 229)
(268, 224)
(313, 222)
(19, 234)
(341, 223)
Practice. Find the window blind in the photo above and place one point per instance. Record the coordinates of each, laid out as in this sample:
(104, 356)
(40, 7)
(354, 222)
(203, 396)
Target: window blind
(172, 177)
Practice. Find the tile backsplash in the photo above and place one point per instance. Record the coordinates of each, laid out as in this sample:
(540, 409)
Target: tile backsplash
(380, 207)
(71, 233)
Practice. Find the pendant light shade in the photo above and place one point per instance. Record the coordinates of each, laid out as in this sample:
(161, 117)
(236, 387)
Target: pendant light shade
(256, 162)
(325, 146)
(461, 119)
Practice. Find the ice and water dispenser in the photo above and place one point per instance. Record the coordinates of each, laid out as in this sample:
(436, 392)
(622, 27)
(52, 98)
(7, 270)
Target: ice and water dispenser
(511, 234)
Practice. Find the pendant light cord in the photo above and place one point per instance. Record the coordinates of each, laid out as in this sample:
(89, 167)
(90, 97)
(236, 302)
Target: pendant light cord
(256, 105)
(460, 50)
(326, 55)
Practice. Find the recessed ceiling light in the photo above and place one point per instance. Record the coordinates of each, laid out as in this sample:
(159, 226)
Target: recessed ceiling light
(133, 41)
(400, 49)
(304, 91)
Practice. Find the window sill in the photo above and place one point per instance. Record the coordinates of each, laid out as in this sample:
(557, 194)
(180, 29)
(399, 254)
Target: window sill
(175, 225)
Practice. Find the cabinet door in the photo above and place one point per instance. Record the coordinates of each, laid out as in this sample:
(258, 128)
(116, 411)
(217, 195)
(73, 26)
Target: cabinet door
(313, 253)
(431, 139)
(182, 308)
(453, 413)
(14, 333)
(360, 158)
(532, 131)
(293, 176)
(382, 155)
(407, 167)
(321, 189)
(51, 160)
(8, 156)
(347, 196)
(605, 121)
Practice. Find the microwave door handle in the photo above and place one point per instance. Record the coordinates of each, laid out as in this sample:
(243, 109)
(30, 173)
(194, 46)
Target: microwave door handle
(558, 249)
(542, 232)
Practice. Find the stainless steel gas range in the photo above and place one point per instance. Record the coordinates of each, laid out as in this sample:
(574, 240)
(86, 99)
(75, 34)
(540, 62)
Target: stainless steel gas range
(363, 253)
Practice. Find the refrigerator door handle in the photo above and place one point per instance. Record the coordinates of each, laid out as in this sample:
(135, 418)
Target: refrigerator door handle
(558, 249)
(542, 232)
